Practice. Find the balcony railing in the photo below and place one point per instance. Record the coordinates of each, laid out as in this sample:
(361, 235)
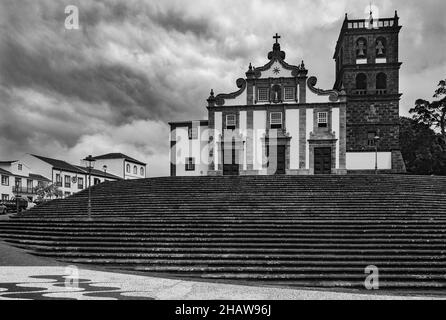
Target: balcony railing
(24, 190)
(360, 92)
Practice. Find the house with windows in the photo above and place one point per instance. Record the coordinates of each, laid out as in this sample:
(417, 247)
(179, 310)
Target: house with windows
(280, 122)
(67, 177)
(17, 179)
(121, 165)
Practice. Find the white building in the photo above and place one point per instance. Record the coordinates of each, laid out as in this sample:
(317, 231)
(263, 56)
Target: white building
(68, 177)
(279, 122)
(121, 165)
(17, 178)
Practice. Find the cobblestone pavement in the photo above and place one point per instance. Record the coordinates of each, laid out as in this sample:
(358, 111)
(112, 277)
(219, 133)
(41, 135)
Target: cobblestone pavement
(24, 276)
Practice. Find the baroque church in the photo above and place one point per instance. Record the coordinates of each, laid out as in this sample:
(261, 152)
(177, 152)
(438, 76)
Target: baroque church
(280, 122)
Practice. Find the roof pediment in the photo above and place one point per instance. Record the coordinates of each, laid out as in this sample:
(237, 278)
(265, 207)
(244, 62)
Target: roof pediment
(277, 67)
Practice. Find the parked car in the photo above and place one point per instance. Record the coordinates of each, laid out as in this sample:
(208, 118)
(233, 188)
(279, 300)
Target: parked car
(15, 204)
(2, 208)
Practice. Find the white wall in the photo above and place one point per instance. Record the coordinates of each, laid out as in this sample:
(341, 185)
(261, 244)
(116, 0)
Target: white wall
(6, 189)
(259, 126)
(335, 125)
(366, 160)
(292, 127)
(114, 166)
(131, 175)
(240, 100)
(243, 131)
(37, 166)
(309, 129)
(195, 148)
(218, 131)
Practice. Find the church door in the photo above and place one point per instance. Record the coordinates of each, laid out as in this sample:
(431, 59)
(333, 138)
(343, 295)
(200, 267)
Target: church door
(276, 159)
(230, 161)
(322, 160)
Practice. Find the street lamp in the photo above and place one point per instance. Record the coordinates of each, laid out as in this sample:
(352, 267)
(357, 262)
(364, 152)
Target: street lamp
(376, 138)
(89, 164)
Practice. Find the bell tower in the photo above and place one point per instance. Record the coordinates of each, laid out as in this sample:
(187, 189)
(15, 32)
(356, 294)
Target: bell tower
(367, 68)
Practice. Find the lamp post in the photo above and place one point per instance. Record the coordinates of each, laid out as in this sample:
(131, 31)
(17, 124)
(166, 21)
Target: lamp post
(376, 138)
(105, 168)
(89, 164)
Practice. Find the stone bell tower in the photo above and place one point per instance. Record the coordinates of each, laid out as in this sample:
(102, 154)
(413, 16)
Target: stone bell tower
(367, 68)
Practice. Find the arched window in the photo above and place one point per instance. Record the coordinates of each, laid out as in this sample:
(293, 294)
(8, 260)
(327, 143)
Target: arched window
(135, 170)
(127, 168)
(361, 48)
(361, 81)
(141, 171)
(380, 47)
(381, 81)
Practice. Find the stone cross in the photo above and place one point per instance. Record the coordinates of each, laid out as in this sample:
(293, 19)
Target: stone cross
(277, 37)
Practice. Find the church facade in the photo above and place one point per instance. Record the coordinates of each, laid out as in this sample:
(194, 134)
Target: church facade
(280, 122)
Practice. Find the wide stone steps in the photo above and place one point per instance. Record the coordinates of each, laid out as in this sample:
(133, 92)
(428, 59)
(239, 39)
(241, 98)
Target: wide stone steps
(304, 231)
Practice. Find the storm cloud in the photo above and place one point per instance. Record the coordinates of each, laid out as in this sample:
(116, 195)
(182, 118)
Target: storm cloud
(135, 65)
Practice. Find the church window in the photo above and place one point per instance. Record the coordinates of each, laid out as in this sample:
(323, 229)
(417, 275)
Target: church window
(275, 120)
(193, 133)
(263, 94)
(289, 93)
(371, 138)
(231, 121)
(361, 83)
(380, 47)
(141, 171)
(135, 170)
(361, 48)
(322, 119)
(19, 166)
(381, 83)
(127, 168)
(190, 164)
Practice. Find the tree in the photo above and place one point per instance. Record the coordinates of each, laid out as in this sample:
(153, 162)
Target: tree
(49, 191)
(433, 113)
(422, 148)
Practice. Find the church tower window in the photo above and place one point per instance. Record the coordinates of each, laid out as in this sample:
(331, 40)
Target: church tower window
(380, 47)
(322, 119)
(135, 170)
(231, 121)
(361, 51)
(381, 83)
(361, 83)
(263, 94)
(275, 120)
(127, 168)
(289, 93)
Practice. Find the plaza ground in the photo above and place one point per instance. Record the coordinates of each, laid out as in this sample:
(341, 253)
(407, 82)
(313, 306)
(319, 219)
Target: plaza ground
(24, 276)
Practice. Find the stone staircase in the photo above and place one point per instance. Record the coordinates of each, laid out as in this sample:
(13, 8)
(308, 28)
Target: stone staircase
(313, 231)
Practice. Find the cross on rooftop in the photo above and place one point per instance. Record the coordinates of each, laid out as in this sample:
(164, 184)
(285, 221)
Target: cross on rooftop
(277, 37)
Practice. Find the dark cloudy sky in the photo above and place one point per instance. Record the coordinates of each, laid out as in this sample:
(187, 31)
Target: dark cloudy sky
(134, 65)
